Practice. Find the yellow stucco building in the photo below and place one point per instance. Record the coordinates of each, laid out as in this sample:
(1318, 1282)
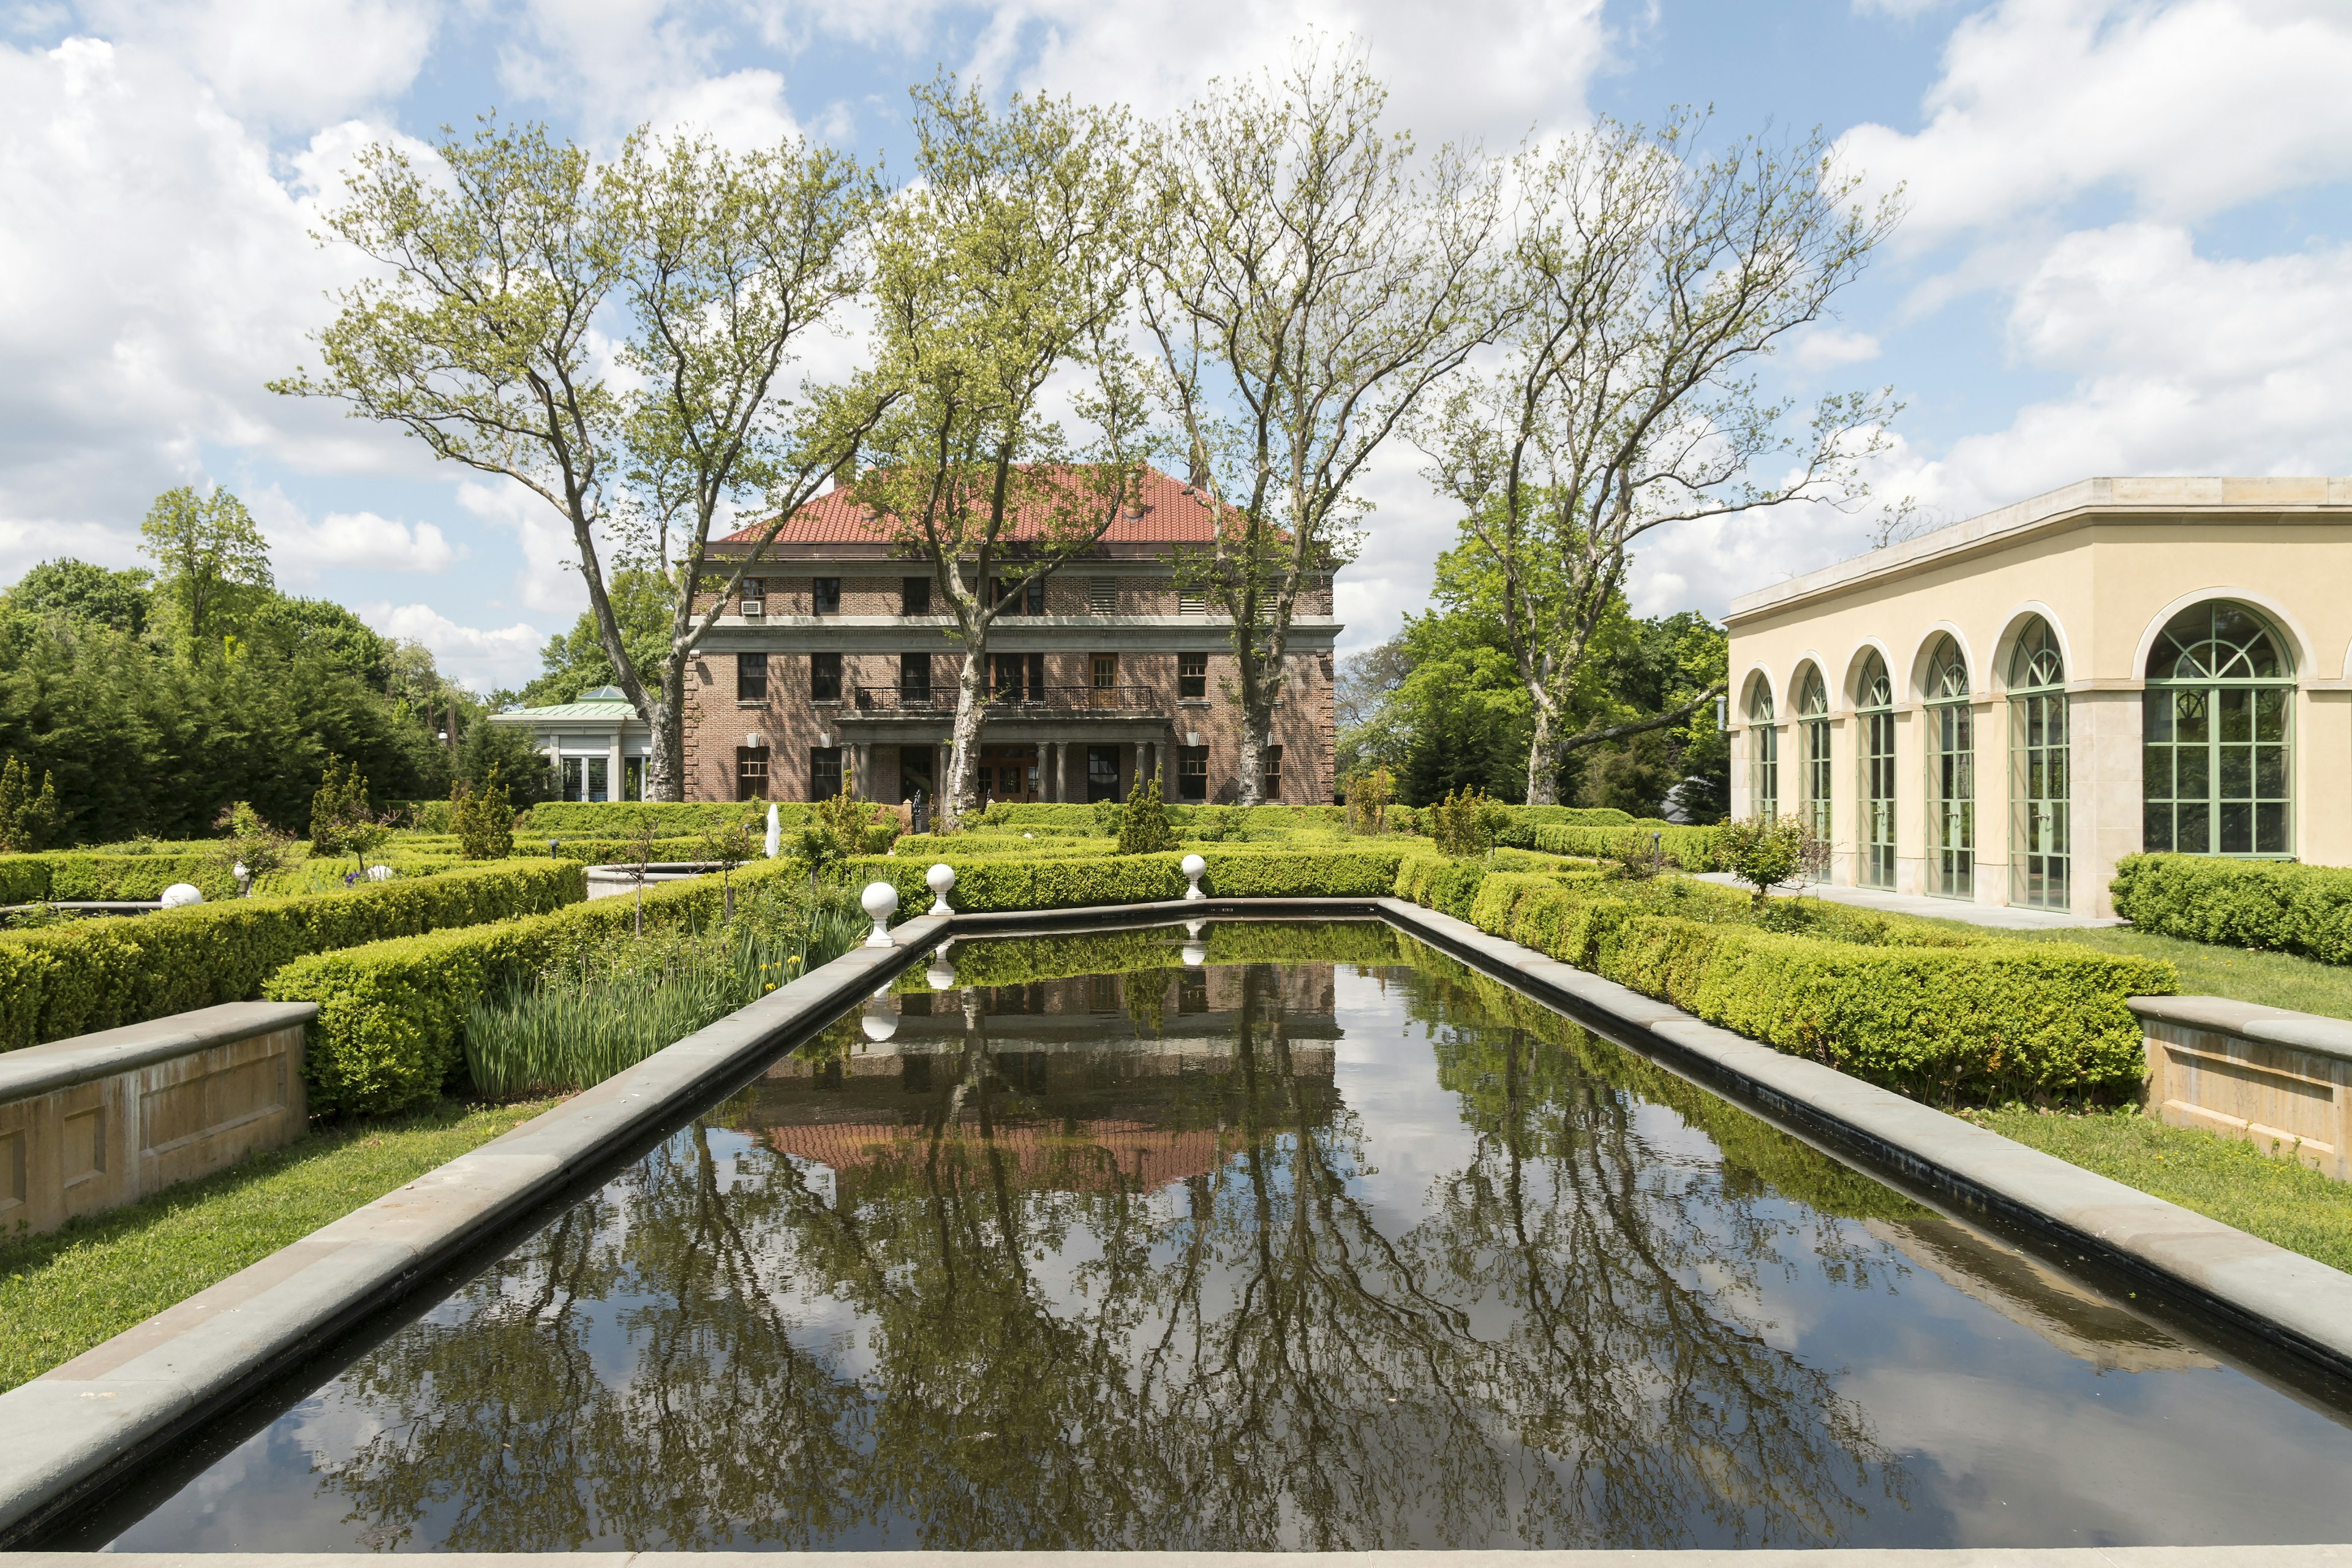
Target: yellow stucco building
(2001, 710)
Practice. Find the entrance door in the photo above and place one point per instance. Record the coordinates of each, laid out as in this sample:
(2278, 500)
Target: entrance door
(1008, 772)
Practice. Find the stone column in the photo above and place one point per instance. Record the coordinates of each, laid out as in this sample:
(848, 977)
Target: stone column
(612, 767)
(861, 756)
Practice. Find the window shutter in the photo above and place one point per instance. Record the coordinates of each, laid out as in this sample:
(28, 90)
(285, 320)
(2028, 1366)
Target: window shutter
(1102, 595)
(1192, 603)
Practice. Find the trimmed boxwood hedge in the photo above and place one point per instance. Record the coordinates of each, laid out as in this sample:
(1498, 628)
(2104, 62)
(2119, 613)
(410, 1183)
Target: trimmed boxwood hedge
(615, 818)
(1688, 849)
(392, 1013)
(2270, 904)
(57, 982)
(1241, 871)
(1917, 1009)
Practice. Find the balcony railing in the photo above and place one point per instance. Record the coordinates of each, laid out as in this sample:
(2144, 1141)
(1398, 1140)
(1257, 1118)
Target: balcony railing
(1011, 701)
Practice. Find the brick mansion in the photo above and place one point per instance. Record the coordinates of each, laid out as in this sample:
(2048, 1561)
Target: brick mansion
(834, 664)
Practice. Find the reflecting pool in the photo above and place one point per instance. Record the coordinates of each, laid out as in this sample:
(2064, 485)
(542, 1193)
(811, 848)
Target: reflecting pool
(1265, 1238)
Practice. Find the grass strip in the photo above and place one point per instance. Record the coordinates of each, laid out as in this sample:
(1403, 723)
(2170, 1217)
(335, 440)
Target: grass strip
(2226, 1179)
(80, 1286)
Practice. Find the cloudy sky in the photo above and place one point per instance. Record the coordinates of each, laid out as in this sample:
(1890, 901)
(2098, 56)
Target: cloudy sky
(2129, 248)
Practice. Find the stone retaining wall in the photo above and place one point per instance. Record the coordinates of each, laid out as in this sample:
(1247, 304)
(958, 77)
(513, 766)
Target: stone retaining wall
(100, 1121)
(2279, 1079)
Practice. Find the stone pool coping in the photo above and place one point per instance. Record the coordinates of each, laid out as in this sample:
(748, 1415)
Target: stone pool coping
(80, 1427)
(2295, 1556)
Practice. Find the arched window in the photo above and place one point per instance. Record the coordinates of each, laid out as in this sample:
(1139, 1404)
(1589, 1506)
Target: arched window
(1951, 774)
(2038, 772)
(1813, 724)
(2216, 728)
(1763, 754)
(1875, 708)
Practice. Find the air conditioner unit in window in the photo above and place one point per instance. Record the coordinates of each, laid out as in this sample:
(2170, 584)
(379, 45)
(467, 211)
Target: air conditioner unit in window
(753, 609)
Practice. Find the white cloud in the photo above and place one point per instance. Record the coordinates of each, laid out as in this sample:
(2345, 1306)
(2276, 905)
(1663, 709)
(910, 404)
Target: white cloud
(550, 579)
(2184, 363)
(2192, 108)
(290, 64)
(480, 657)
(1825, 347)
(357, 540)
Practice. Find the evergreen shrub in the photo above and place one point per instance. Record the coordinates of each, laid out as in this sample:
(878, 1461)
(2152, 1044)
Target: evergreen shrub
(2274, 905)
(613, 818)
(57, 982)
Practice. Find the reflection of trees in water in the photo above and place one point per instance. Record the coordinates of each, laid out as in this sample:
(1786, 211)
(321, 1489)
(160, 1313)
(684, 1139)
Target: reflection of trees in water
(1563, 1352)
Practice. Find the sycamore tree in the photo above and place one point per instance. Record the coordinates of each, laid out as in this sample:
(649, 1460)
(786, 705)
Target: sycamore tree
(1308, 280)
(1649, 281)
(1002, 281)
(619, 341)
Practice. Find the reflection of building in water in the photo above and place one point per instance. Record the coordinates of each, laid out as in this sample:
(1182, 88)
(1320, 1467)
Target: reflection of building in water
(2036, 1297)
(1126, 1082)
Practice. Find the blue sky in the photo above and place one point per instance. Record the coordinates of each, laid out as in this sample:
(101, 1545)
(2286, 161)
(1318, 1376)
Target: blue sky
(2125, 249)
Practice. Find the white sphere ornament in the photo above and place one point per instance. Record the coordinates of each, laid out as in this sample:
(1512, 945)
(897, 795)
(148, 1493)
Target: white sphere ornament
(379, 873)
(1195, 954)
(881, 1017)
(1194, 869)
(180, 893)
(881, 901)
(939, 878)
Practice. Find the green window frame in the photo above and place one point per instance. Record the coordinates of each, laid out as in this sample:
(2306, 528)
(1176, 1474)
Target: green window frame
(1951, 774)
(1763, 754)
(1813, 725)
(2216, 737)
(1874, 715)
(2040, 772)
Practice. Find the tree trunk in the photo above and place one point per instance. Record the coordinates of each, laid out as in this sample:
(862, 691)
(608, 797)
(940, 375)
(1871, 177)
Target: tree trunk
(1543, 760)
(1257, 729)
(963, 752)
(666, 737)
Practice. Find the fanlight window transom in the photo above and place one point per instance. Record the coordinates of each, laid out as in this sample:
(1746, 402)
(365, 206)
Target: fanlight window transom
(1948, 672)
(2036, 665)
(2217, 640)
(1813, 697)
(1877, 690)
(1759, 702)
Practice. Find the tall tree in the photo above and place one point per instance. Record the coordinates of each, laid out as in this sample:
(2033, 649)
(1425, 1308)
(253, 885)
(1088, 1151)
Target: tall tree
(482, 336)
(214, 559)
(1308, 284)
(1650, 280)
(1003, 272)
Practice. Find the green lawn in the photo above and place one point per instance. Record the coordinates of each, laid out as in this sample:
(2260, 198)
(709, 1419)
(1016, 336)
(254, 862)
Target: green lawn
(74, 1288)
(2222, 1178)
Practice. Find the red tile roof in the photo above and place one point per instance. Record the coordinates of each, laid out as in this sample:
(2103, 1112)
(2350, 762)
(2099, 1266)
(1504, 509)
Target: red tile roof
(1169, 514)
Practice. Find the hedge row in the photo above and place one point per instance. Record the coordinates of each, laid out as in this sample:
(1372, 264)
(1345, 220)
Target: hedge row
(2270, 904)
(1687, 848)
(612, 818)
(1960, 1020)
(1246, 872)
(392, 1013)
(60, 981)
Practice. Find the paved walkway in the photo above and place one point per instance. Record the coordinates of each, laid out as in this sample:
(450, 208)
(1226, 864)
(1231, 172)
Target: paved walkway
(2000, 915)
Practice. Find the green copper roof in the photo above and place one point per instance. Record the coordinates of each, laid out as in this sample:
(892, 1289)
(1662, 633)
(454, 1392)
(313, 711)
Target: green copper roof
(580, 710)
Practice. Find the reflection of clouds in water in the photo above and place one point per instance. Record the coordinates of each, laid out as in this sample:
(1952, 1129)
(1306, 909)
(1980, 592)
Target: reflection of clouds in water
(1548, 1296)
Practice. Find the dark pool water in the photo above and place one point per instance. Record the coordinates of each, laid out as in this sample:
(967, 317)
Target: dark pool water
(1342, 1247)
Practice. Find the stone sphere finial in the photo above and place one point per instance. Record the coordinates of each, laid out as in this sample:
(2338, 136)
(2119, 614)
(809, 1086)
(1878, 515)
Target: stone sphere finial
(939, 878)
(881, 901)
(1194, 869)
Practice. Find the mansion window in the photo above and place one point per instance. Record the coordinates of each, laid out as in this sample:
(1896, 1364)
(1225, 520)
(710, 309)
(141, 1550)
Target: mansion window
(1192, 773)
(1814, 731)
(755, 593)
(1102, 773)
(751, 678)
(824, 678)
(751, 773)
(1192, 676)
(1104, 667)
(824, 596)
(825, 771)
(1018, 677)
(2040, 854)
(914, 595)
(1763, 755)
(1875, 710)
(1951, 774)
(1016, 598)
(1270, 775)
(914, 676)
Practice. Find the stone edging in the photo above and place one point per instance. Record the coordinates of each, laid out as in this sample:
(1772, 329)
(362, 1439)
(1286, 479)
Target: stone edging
(2296, 1303)
(77, 1427)
(2272, 1026)
(60, 1064)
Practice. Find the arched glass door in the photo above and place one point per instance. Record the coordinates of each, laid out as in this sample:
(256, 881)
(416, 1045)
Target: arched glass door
(2217, 728)
(1813, 723)
(2039, 777)
(1763, 754)
(1951, 774)
(1875, 711)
